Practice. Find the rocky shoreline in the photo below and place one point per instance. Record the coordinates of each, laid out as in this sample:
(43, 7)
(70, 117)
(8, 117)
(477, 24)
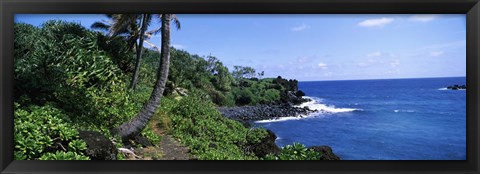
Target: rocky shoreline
(248, 114)
(287, 108)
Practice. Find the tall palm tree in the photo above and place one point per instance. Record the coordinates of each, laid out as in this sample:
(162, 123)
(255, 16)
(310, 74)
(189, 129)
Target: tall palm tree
(133, 27)
(124, 20)
(133, 127)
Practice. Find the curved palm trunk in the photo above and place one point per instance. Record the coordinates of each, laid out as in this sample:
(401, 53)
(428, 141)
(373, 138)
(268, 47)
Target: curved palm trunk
(136, 125)
(133, 83)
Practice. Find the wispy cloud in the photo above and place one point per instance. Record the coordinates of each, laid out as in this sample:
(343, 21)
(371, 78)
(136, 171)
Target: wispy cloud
(374, 54)
(423, 17)
(436, 53)
(455, 44)
(300, 27)
(322, 65)
(395, 63)
(178, 46)
(379, 22)
(363, 64)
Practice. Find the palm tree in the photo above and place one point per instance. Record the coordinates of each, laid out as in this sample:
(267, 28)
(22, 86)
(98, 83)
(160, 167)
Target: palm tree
(128, 26)
(129, 32)
(133, 127)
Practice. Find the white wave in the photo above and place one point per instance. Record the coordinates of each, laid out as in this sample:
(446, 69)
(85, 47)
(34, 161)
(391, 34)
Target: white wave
(314, 104)
(403, 110)
(281, 119)
(450, 89)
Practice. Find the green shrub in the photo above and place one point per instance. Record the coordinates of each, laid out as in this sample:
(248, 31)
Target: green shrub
(244, 97)
(295, 152)
(39, 130)
(60, 155)
(271, 95)
(255, 135)
(206, 132)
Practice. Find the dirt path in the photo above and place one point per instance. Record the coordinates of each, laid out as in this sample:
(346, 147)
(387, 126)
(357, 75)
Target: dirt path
(169, 148)
(172, 150)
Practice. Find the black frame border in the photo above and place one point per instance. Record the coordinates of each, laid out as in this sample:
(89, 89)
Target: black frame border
(10, 7)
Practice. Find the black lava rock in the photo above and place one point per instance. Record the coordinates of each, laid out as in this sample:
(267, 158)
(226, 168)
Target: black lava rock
(326, 151)
(246, 114)
(145, 142)
(99, 147)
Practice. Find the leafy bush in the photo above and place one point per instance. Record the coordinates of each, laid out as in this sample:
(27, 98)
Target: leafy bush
(255, 135)
(60, 155)
(207, 133)
(39, 130)
(295, 152)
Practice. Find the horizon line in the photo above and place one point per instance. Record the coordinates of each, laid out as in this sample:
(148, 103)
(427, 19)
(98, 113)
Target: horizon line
(382, 79)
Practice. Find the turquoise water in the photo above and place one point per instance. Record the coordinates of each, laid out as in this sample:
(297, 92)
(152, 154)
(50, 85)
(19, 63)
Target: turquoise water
(398, 119)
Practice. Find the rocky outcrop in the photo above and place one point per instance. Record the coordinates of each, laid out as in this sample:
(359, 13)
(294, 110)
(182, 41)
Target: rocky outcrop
(294, 97)
(327, 153)
(263, 112)
(99, 147)
(457, 87)
(265, 146)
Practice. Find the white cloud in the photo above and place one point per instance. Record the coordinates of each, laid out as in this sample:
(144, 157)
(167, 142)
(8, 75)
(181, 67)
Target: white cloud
(423, 17)
(374, 54)
(391, 72)
(363, 64)
(380, 22)
(322, 65)
(395, 63)
(300, 27)
(178, 46)
(305, 59)
(436, 53)
(328, 74)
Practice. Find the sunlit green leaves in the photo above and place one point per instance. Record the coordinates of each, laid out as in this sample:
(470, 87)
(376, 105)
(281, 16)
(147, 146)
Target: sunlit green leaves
(296, 151)
(60, 155)
(38, 128)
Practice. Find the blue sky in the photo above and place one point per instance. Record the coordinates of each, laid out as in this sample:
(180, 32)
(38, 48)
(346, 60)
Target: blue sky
(320, 47)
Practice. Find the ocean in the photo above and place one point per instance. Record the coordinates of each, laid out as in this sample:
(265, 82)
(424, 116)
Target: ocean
(397, 119)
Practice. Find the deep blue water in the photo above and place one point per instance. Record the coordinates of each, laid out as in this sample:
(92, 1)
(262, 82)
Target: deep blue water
(398, 119)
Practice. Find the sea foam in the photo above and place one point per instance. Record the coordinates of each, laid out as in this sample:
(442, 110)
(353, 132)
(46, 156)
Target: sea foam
(313, 104)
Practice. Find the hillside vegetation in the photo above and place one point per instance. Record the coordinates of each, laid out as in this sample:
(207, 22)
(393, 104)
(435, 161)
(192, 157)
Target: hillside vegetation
(69, 78)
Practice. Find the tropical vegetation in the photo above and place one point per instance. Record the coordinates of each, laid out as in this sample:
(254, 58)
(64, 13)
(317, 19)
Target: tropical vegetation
(70, 78)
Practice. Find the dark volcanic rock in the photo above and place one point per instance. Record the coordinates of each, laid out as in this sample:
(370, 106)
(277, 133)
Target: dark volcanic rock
(265, 146)
(263, 112)
(457, 87)
(326, 151)
(99, 147)
(139, 139)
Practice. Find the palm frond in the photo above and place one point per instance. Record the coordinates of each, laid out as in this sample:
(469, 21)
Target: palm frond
(100, 26)
(176, 21)
(121, 21)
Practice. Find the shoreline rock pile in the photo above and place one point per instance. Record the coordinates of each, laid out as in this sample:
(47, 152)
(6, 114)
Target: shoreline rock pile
(457, 87)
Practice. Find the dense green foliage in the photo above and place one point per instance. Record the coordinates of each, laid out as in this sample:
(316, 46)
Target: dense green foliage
(67, 68)
(295, 152)
(209, 76)
(208, 134)
(68, 78)
(40, 131)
